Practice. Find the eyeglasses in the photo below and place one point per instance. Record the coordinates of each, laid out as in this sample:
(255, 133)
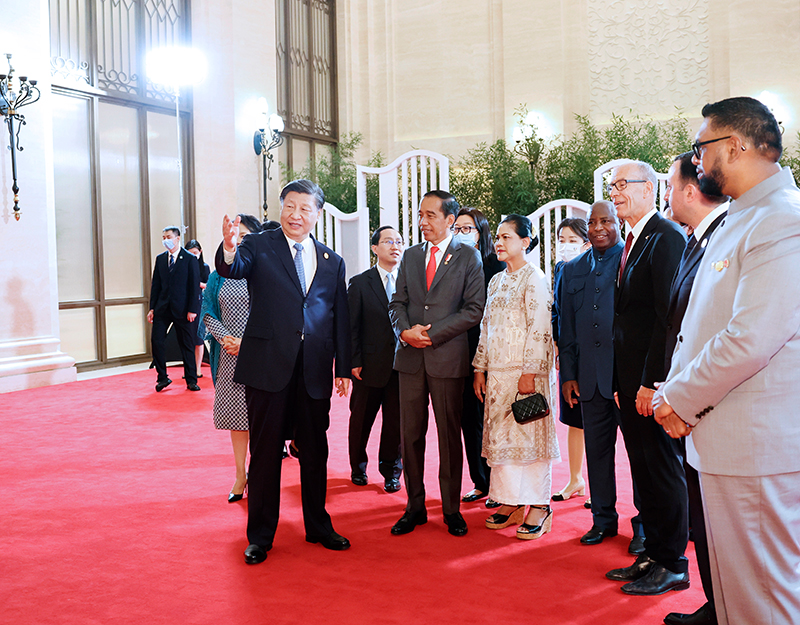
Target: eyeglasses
(389, 243)
(699, 144)
(621, 185)
(464, 229)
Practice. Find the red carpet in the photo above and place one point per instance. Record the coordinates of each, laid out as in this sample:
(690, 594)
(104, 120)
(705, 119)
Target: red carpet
(114, 511)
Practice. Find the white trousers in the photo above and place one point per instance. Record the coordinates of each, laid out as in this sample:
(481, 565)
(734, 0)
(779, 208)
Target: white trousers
(521, 485)
(753, 526)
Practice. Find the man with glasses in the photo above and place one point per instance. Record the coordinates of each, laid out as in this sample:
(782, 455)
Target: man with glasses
(652, 252)
(375, 382)
(735, 377)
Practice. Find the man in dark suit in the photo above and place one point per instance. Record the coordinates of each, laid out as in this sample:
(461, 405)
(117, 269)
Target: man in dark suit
(588, 286)
(702, 212)
(440, 295)
(375, 382)
(298, 330)
(174, 299)
(653, 249)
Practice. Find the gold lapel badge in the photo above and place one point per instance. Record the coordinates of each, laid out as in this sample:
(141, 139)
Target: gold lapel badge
(721, 264)
(447, 260)
(325, 255)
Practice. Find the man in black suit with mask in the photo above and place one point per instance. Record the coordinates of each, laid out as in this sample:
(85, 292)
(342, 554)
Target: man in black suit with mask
(652, 252)
(174, 299)
(691, 204)
(375, 382)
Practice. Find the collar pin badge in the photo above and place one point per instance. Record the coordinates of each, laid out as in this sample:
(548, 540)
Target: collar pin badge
(720, 265)
(325, 255)
(447, 260)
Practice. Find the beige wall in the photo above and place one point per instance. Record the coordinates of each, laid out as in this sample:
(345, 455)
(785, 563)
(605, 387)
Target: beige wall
(446, 74)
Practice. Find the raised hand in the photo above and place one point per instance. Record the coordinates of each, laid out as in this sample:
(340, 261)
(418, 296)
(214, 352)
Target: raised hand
(230, 232)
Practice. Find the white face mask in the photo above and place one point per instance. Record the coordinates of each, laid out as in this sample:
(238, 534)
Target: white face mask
(568, 251)
(169, 244)
(466, 239)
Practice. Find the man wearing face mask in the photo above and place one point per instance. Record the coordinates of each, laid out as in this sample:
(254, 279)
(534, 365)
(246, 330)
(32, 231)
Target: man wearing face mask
(174, 299)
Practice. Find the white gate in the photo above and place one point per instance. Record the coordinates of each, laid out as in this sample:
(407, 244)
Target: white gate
(347, 234)
(402, 185)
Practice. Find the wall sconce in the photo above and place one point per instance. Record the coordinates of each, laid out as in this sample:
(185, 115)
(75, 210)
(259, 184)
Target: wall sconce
(13, 100)
(268, 137)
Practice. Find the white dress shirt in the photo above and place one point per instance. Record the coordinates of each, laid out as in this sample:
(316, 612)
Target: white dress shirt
(708, 220)
(442, 245)
(385, 275)
(637, 229)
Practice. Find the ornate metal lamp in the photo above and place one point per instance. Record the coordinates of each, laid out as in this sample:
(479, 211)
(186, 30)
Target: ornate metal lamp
(11, 100)
(268, 137)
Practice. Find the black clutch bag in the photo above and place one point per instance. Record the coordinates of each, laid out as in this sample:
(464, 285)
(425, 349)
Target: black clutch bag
(530, 408)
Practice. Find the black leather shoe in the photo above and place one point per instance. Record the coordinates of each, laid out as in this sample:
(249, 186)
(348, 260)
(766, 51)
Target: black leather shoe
(392, 485)
(491, 503)
(657, 581)
(332, 541)
(473, 495)
(359, 479)
(456, 524)
(633, 572)
(408, 522)
(637, 546)
(162, 384)
(192, 387)
(255, 554)
(588, 504)
(596, 535)
(706, 615)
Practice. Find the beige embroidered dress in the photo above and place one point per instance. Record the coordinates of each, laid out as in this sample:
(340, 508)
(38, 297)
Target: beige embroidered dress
(515, 339)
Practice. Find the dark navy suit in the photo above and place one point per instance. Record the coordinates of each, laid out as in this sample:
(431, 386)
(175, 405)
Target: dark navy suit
(678, 301)
(174, 293)
(586, 353)
(291, 345)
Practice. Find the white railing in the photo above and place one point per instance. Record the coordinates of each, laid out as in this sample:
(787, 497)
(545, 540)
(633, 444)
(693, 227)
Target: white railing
(347, 234)
(401, 187)
(545, 220)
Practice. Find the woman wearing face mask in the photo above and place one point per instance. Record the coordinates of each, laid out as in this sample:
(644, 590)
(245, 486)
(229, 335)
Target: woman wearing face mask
(226, 307)
(515, 356)
(573, 240)
(472, 228)
(193, 247)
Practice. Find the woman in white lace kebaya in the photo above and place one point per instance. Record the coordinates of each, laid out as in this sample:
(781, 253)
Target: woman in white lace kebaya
(515, 355)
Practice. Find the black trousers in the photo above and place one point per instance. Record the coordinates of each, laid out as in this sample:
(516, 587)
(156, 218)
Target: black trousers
(472, 429)
(364, 404)
(657, 468)
(698, 520)
(446, 395)
(185, 334)
(601, 419)
(274, 418)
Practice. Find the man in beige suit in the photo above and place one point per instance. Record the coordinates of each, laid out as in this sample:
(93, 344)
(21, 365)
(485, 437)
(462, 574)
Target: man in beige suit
(735, 376)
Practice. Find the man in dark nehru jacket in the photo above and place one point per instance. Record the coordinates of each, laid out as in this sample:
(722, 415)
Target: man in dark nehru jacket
(297, 332)
(588, 285)
(375, 382)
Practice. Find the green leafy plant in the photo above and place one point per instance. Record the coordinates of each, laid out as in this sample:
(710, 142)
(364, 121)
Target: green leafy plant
(791, 158)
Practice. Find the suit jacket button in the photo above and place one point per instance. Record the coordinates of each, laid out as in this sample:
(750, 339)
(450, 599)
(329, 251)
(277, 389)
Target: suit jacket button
(305, 304)
(595, 306)
(597, 274)
(597, 344)
(594, 325)
(426, 307)
(597, 289)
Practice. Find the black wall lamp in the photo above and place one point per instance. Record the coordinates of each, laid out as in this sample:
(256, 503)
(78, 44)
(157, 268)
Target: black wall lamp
(11, 100)
(268, 137)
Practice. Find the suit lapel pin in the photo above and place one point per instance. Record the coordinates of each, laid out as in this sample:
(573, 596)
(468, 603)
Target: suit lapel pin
(720, 265)
(447, 260)
(325, 256)
(704, 243)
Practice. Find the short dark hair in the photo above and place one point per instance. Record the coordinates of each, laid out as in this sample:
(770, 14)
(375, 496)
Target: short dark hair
(174, 229)
(687, 171)
(250, 222)
(269, 224)
(485, 242)
(194, 243)
(449, 205)
(522, 226)
(750, 118)
(376, 236)
(577, 224)
(307, 187)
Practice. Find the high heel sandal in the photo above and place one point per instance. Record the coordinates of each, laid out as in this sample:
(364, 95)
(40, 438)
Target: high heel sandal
(234, 497)
(563, 496)
(526, 531)
(498, 521)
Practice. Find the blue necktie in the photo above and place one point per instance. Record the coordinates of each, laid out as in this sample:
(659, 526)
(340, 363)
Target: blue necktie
(389, 286)
(171, 261)
(298, 265)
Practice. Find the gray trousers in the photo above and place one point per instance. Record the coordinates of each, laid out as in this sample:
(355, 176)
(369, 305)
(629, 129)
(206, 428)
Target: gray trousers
(753, 526)
(446, 397)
